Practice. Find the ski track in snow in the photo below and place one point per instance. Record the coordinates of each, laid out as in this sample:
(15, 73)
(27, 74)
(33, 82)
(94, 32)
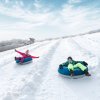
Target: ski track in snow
(40, 80)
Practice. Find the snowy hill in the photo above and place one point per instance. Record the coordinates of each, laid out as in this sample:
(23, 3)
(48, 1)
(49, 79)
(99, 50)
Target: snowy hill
(40, 80)
(14, 43)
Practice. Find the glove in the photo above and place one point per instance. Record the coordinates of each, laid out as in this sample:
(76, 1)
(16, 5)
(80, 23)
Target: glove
(60, 66)
(85, 63)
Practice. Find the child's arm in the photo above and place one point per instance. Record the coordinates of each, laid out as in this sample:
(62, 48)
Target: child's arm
(65, 64)
(34, 57)
(19, 52)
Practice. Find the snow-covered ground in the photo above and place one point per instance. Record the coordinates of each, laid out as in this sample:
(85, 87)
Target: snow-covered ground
(40, 80)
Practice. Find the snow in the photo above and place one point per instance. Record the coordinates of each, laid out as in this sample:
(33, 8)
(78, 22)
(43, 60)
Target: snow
(39, 80)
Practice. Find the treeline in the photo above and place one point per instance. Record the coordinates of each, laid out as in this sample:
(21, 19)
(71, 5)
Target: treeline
(11, 44)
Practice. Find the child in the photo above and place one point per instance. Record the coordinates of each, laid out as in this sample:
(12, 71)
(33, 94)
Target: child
(24, 55)
(71, 64)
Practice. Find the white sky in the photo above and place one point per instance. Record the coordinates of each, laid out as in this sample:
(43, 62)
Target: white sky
(20, 20)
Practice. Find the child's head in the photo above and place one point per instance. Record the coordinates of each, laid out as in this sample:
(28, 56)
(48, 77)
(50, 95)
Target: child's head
(69, 59)
(27, 52)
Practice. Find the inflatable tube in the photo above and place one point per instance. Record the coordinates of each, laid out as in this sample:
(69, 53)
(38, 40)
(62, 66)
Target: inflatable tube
(64, 71)
(25, 60)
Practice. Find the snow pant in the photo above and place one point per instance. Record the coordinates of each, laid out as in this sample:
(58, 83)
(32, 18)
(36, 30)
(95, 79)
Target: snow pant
(20, 58)
(78, 65)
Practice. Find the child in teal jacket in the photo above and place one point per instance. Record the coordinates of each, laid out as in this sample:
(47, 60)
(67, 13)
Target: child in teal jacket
(71, 64)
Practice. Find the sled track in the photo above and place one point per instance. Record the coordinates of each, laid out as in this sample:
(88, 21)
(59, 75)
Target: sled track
(82, 50)
(91, 56)
(81, 41)
(35, 77)
(53, 87)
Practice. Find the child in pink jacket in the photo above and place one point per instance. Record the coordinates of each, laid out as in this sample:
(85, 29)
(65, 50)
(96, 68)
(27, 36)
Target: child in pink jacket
(24, 55)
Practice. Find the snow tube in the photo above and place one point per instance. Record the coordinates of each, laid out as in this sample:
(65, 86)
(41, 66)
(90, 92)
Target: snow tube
(28, 59)
(64, 71)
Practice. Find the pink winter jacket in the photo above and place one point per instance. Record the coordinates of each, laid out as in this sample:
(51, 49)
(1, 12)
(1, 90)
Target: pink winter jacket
(24, 55)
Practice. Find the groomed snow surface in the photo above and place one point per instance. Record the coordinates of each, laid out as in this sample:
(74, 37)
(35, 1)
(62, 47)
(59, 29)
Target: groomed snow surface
(40, 80)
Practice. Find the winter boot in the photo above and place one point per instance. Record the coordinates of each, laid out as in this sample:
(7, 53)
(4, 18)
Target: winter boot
(15, 58)
(87, 73)
(71, 73)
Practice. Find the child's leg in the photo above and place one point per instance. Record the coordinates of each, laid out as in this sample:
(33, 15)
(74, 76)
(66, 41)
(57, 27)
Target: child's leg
(82, 67)
(71, 67)
(22, 59)
(17, 58)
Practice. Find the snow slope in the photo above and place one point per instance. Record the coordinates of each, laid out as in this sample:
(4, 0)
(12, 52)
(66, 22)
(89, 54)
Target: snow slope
(40, 80)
